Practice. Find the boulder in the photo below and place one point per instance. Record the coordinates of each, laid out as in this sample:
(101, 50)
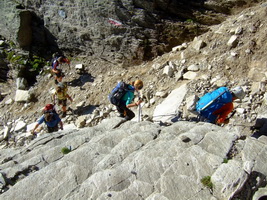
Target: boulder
(190, 75)
(21, 83)
(19, 126)
(161, 94)
(191, 103)
(193, 68)
(22, 96)
(228, 179)
(9, 101)
(168, 70)
(81, 121)
(198, 44)
(233, 41)
(169, 108)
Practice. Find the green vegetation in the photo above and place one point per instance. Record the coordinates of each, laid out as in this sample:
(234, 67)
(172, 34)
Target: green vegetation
(206, 181)
(9, 55)
(35, 63)
(189, 20)
(65, 150)
(12, 44)
(225, 160)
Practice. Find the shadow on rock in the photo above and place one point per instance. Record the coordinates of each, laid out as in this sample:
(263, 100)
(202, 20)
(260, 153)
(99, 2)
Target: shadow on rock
(84, 78)
(260, 128)
(85, 110)
(254, 181)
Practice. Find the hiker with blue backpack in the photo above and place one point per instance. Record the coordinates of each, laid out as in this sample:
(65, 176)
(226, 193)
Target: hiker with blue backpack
(215, 106)
(122, 96)
(55, 67)
(50, 118)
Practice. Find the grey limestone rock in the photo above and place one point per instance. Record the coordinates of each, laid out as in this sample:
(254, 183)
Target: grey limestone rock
(133, 161)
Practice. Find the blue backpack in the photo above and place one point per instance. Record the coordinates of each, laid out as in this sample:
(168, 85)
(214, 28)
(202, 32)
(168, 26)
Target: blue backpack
(54, 60)
(213, 101)
(118, 92)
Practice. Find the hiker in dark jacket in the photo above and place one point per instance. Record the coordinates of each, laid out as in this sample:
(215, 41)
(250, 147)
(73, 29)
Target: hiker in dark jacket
(52, 120)
(58, 72)
(126, 101)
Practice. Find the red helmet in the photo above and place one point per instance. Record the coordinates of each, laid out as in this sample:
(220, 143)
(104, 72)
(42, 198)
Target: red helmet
(49, 108)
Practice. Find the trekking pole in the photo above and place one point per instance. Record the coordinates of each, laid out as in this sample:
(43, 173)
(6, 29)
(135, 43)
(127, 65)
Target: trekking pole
(140, 113)
(139, 110)
(232, 114)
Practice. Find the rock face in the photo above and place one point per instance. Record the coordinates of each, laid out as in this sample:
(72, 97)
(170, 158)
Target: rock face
(136, 161)
(88, 27)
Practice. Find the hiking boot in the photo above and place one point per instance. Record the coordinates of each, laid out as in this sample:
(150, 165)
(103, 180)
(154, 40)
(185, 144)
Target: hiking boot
(121, 115)
(64, 114)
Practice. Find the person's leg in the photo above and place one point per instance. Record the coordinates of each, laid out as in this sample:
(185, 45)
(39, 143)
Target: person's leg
(59, 76)
(121, 109)
(49, 129)
(55, 129)
(129, 114)
(60, 102)
(64, 108)
(125, 112)
(59, 79)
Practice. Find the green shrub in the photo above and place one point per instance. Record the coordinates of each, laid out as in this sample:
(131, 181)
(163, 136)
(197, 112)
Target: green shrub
(15, 59)
(37, 63)
(206, 181)
(10, 55)
(12, 44)
(65, 150)
(225, 160)
(189, 20)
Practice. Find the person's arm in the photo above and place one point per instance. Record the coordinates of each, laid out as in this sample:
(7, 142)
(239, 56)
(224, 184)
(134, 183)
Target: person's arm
(40, 121)
(33, 130)
(129, 100)
(134, 104)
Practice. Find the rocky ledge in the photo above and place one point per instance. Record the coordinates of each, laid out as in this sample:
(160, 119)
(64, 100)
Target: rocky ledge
(137, 161)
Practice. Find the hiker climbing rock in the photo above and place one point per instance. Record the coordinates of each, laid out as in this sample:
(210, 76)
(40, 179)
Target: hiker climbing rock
(58, 72)
(217, 105)
(62, 96)
(50, 118)
(122, 96)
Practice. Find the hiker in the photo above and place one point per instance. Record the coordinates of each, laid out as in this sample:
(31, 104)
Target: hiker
(62, 96)
(58, 72)
(125, 101)
(51, 119)
(217, 105)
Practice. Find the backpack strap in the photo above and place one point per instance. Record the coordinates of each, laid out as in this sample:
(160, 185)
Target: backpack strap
(206, 106)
